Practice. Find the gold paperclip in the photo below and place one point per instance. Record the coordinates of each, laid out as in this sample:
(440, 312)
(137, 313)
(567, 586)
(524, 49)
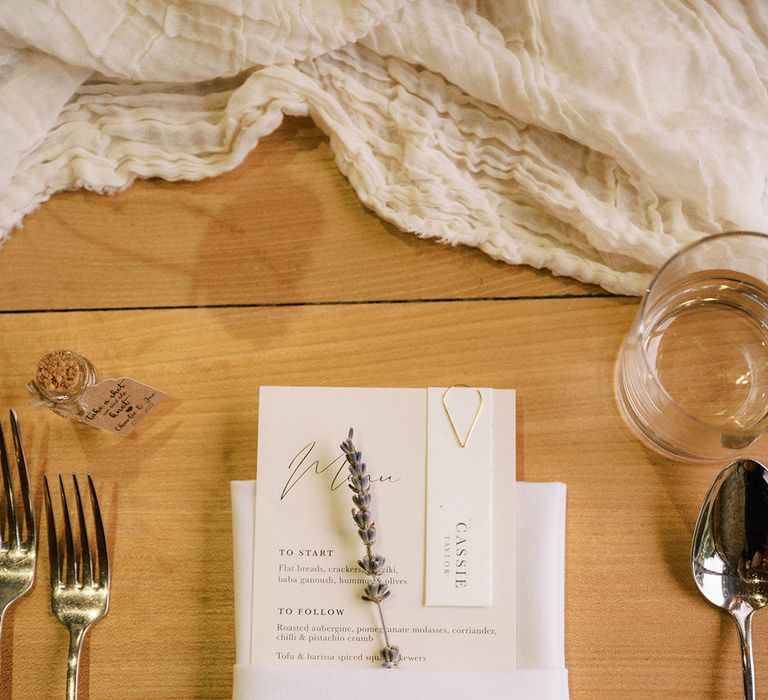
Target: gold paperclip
(462, 443)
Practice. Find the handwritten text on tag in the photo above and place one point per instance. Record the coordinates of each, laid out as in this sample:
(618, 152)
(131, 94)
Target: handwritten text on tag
(118, 405)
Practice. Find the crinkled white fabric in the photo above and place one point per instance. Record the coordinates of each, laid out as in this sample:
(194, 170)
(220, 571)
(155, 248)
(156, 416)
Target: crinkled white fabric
(592, 139)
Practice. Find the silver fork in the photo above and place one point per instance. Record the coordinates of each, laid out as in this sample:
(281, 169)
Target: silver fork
(79, 585)
(18, 540)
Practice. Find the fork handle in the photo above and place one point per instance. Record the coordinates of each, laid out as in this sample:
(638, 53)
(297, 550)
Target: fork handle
(76, 636)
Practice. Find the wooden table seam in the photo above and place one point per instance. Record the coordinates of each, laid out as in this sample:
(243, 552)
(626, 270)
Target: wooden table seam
(300, 304)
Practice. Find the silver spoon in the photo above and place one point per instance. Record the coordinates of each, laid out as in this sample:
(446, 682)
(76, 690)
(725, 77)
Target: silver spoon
(729, 555)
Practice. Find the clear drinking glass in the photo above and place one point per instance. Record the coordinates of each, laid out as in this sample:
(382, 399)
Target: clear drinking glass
(692, 374)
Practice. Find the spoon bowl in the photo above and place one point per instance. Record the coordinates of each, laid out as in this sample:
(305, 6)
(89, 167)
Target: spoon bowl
(729, 554)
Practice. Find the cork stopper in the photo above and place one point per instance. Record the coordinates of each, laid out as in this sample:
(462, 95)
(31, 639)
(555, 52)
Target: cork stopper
(62, 375)
(58, 373)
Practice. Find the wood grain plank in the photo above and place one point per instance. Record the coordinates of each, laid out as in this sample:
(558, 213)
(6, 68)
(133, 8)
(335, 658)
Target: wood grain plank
(284, 227)
(635, 625)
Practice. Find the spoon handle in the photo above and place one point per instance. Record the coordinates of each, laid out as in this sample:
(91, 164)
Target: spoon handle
(744, 623)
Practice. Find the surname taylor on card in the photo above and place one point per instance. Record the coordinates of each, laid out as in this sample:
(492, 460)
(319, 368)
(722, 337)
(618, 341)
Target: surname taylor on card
(307, 607)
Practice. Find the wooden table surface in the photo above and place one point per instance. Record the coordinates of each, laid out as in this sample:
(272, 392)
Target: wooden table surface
(275, 274)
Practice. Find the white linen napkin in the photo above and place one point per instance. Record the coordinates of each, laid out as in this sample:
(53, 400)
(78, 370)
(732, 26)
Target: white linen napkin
(589, 138)
(540, 673)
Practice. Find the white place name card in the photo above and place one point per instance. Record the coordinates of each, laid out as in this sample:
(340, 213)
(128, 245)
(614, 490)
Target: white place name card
(459, 540)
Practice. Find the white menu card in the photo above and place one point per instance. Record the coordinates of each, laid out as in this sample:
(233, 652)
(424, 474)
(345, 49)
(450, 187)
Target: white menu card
(307, 609)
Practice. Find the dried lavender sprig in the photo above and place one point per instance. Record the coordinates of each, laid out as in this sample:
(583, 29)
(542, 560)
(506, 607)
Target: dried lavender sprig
(372, 564)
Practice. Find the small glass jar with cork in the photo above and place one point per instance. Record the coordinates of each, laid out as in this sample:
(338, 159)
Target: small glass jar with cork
(61, 379)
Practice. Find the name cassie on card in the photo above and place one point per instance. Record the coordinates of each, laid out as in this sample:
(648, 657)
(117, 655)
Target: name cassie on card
(451, 572)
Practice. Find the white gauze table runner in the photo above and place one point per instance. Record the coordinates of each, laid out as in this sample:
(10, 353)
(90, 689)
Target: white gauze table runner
(540, 653)
(589, 138)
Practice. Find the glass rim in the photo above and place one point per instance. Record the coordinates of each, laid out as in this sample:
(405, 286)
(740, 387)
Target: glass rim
(645, 300)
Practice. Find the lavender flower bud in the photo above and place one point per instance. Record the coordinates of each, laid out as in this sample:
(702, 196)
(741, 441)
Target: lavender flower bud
(368, 535)
(390, 656)
(363, 518)
(360, 483)
(376, 592)
(356, 470)
(372, 565)
(362, 500)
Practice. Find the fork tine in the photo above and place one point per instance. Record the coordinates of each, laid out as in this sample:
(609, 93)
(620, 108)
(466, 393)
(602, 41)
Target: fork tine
(70, 566)
(12, 539)
(101, 540)
(4, 463)
(84, 555)
(30, 538)
(53, 547)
